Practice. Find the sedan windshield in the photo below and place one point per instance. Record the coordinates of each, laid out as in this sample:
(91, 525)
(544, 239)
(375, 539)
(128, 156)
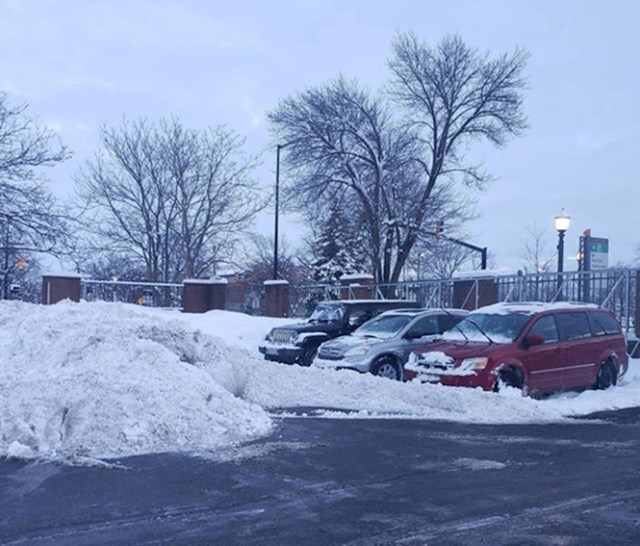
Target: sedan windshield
(383, 327)
(327, 313)
(489, 327)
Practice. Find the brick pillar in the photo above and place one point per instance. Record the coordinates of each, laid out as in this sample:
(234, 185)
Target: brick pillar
(469, 295)
(276, 298)
(218, 294)
(360, 286)
(202, 295)
(56, 288)
(236, 293)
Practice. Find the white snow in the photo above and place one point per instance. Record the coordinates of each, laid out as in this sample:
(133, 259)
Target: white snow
(83, 382)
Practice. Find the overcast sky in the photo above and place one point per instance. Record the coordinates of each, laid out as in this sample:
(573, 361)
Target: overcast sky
(79, 64)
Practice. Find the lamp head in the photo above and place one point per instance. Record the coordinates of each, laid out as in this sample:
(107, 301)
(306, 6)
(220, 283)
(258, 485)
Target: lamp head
(562, 221)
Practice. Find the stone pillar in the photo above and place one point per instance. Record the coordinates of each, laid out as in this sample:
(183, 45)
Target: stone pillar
(471, 294)
(360, 286)
(276, 298)
(56, 288)
(202, 295)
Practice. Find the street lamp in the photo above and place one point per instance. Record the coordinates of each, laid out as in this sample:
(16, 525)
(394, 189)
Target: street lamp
(562, 221)
(275, 235)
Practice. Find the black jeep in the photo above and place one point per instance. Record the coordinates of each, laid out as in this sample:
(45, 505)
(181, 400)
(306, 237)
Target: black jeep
(298, 343)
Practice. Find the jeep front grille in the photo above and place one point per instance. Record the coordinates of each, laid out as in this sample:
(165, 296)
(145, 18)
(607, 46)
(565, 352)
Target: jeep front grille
(282, 336)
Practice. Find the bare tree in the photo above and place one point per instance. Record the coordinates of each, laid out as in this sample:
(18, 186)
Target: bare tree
(344, 143)
(259, 259)
(30, 219)
(178, 199)
(536, 257)
(345, 146)
(453, 94)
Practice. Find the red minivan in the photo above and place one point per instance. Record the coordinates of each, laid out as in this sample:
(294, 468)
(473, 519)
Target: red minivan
(538, 347)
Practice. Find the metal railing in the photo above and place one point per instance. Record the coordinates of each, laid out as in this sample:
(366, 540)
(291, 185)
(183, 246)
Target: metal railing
(167, 295)
(615, 289)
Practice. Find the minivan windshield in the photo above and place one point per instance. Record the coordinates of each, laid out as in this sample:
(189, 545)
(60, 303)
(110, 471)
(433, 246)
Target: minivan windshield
(383, 326)
(488, 327)
(329, 312)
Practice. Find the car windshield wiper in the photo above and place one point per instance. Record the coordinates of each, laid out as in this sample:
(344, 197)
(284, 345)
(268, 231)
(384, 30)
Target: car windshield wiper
(480, 329)
(466, 339)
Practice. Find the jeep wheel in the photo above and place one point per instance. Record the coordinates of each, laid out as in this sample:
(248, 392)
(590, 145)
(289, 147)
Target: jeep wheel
(387, 367)
(308, 355)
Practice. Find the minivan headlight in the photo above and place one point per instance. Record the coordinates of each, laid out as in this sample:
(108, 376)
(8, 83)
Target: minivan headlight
(475, 363)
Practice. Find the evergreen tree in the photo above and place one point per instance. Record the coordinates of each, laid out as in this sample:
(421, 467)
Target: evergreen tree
(338, 249)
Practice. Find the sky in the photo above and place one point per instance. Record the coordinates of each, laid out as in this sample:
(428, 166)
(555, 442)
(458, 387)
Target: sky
(81, 64)
(81, 382)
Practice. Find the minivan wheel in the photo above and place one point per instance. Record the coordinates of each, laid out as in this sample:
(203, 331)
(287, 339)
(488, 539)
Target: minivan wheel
(386, 367)
(606, 376)
(509, 377)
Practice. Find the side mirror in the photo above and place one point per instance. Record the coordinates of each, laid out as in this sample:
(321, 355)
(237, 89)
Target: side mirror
(533, 339)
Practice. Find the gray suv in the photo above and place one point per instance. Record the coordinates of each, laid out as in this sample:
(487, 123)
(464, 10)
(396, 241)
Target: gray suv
(383, 344)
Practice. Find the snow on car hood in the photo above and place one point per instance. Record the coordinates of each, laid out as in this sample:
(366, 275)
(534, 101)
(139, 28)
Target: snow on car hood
(344, 343)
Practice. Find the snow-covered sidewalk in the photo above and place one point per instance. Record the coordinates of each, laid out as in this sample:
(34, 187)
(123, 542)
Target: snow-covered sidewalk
(98, 380)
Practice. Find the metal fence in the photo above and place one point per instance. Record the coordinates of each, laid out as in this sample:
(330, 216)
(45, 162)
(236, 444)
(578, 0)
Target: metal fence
(615, 289)
(167, 295)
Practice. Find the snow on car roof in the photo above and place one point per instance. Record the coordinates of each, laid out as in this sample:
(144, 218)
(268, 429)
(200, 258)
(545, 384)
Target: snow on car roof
(531, 307)
(423, 310)
(351, 302)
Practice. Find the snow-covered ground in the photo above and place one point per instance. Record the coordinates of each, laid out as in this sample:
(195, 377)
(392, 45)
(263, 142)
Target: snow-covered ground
(88, 381)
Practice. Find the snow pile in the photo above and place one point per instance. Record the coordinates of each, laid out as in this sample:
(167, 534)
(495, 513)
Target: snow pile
(103, 380)
(100, 380)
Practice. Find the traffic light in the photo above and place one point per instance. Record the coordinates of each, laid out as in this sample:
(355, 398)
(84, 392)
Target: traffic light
(439, 226)
(21, 263)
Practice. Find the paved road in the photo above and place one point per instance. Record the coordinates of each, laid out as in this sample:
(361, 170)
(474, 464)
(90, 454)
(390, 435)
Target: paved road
(339, 481)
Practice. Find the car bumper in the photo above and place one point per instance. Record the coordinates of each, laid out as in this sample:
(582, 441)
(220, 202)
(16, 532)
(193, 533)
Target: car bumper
(482, 379)
(276, 353)
(342, 364)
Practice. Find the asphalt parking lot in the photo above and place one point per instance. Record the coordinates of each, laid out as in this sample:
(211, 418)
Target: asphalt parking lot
(346, 481)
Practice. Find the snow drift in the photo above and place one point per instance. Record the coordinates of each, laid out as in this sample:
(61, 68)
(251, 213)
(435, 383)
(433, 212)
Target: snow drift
(104, 380)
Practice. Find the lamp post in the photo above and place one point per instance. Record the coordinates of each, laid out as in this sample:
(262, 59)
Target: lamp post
(562, 221)
(277, 212)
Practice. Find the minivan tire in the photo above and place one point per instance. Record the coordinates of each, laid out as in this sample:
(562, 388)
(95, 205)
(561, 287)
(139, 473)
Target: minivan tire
(509, 377)
(606, 376)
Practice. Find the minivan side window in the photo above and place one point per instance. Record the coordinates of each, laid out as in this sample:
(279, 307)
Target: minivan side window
(603, 323)
(546, 326)
(573, 325)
